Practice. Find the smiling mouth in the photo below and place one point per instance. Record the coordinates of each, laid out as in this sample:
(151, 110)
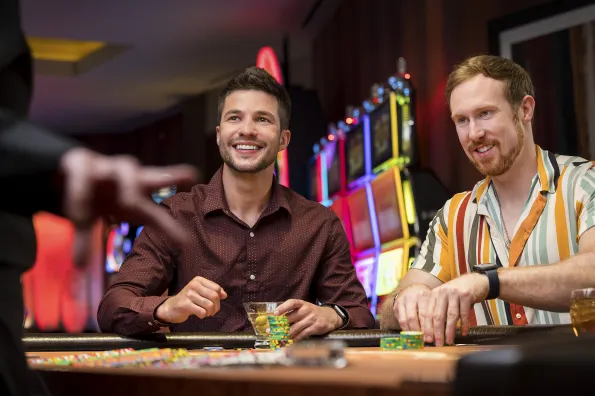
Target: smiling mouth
(246, 147)
(483, 149)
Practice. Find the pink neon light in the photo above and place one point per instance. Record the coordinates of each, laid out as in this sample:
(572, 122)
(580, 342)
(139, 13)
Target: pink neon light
(267, 60)
(318, 178)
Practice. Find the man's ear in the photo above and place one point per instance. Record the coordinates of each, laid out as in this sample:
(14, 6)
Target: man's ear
(527, 109)
(218, 134)
(284, 139)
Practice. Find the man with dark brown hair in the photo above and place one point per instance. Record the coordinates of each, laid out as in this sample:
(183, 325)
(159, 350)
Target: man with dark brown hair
(251, 240)
(511, 251)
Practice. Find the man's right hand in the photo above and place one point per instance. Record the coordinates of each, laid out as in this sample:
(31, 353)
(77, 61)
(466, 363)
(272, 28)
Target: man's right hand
(200, 297)
(411, 305)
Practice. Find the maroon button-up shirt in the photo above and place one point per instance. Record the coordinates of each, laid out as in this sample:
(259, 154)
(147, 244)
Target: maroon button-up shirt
(297, 249)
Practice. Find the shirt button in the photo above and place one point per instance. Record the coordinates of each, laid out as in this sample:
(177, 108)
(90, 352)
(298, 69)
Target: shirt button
(252, 277)
(518, 316)
(251, 234)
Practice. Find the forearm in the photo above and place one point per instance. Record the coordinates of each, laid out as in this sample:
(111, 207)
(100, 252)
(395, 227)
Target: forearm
(126, 311)
(547, 287)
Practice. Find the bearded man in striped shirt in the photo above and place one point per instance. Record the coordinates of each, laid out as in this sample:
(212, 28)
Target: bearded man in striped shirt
(511, 251)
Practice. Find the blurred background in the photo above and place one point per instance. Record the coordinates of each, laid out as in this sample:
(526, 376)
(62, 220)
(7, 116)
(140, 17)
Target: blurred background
(371, 134)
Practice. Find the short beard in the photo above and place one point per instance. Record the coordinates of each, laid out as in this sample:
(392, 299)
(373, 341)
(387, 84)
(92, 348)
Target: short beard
(504, 162)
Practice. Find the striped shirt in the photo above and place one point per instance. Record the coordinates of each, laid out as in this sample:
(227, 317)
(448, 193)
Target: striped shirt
(467, 231)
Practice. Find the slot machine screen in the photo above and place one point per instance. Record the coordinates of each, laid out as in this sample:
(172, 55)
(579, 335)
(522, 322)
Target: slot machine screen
(355, 153)
(386, 204)
(359, 216)
(334, 168)
(390, 268)
(381, 135)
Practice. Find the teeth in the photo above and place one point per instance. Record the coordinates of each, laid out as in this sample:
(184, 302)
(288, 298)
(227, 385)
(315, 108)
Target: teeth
(484, 149)
(246, 147)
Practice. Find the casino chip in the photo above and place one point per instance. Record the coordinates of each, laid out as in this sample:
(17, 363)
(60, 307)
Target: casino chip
(390, 343)
(412, 340)
(279, 332)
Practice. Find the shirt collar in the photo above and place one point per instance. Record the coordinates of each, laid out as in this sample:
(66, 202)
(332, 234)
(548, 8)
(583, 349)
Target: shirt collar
(548, 172)
(215, 196)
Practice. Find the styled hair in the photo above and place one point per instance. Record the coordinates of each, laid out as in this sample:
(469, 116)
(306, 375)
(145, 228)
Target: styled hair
(517, 80)
(257, 79)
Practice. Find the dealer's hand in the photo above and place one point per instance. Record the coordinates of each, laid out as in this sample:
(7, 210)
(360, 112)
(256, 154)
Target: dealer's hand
(307, 319)
(450, 302)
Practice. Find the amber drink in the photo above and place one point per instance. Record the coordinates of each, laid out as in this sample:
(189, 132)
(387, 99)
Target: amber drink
(582, 311)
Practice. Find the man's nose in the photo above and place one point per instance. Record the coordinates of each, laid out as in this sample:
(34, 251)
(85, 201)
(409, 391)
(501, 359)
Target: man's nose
(476, 131)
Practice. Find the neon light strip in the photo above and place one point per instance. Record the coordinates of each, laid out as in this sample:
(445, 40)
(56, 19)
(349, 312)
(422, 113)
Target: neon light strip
(401, 201)
(367, 145)
(394, 122)
(342, 166)
(323, 176)
(376, 237)
(283, 168)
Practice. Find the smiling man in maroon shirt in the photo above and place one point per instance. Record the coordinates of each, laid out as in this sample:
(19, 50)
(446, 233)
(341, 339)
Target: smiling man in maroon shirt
(250, 239)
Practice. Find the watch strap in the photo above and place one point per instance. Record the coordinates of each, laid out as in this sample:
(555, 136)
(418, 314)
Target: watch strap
(494, 284)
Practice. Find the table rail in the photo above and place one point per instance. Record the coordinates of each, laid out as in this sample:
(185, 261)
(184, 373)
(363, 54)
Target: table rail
(50, 342)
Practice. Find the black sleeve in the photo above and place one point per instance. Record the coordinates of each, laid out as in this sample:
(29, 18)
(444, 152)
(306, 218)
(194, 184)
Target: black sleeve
(29, 160)
(29, 154)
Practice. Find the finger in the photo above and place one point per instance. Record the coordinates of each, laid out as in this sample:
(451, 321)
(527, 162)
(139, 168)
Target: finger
(439, 317)
(83, 246)
(78, 194)
(295, 316)
(211, 295)
(289, 305)
(203, 302)
(194, 309)
(209, 284)
(452, 316)
(422, 309)
(412, 314)
(181, 176)
(296, 329)
(465, 307)
(401, 313)
(133, 202)
(146, 212)
(428, 323)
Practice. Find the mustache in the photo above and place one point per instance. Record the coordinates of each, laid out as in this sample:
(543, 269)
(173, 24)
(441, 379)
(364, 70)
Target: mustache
(483, 142)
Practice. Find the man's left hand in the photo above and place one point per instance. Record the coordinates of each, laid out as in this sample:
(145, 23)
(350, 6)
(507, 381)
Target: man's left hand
(307, 319)
(450, 302)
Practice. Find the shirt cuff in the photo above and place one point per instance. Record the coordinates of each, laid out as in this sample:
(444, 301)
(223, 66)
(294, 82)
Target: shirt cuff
(146, 317)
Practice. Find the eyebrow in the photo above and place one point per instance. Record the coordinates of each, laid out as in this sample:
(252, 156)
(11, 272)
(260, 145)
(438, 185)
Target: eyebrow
(476, 110)
(259, 112)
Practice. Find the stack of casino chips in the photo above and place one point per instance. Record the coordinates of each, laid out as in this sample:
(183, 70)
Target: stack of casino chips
(412, 340)
(69, 360)
(279, 332)
(390, 343)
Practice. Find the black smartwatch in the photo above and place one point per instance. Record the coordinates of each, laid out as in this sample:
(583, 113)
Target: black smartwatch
(491, 271)
(341, 312)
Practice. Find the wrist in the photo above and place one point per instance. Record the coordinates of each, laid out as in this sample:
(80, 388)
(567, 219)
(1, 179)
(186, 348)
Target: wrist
(160, 315)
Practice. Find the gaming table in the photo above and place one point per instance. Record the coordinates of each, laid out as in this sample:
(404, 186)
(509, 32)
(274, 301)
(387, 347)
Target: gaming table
(429, 371)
